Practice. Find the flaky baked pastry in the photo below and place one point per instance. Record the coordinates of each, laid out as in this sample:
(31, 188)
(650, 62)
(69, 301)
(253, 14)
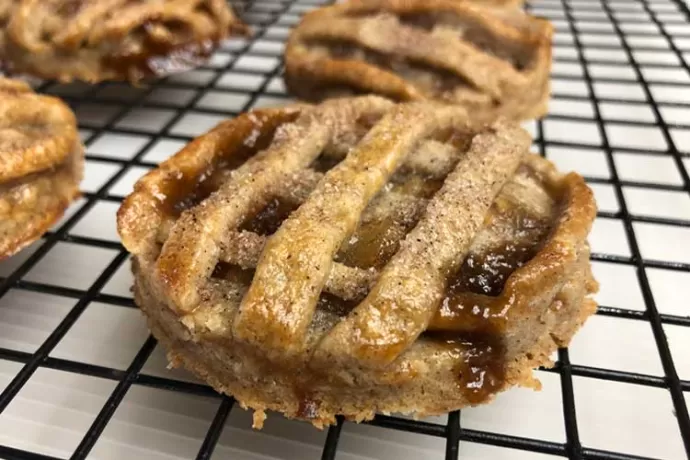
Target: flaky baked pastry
(360, 256)
(41, 163)
(493, 61)
(96, 40)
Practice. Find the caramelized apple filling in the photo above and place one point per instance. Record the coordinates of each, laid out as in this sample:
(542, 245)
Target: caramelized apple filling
(158, 59)
(233, 273)
(487, 273)
(474, 301)
(270, 218)
(472, 315)
(200, 188)
(373, 244)
(187, 188)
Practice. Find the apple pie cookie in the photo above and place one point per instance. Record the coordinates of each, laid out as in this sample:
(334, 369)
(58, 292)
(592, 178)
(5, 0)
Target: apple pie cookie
(492, 61)
(41, 162)
(360, 257)
(95, 40)
(499, 3)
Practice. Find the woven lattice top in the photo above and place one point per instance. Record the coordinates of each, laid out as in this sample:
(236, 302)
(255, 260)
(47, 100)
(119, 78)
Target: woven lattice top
(488, 59)
(388, 216)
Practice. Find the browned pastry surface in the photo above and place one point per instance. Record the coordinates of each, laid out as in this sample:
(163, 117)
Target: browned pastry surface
(6, 7)
(360, 256)
(96, 40)
(41, 162)
(498, 3)
(493, 61)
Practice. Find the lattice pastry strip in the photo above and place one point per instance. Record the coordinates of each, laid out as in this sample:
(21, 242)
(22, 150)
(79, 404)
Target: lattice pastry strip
(297, 259)
(492, 61)
(360, 256)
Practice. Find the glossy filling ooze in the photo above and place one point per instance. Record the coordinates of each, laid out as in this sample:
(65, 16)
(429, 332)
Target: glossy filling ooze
(474, 314)
(480, 364)
(517, 227)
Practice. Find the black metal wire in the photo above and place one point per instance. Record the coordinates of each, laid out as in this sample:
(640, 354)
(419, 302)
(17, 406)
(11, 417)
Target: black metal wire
(330, 447)
(214, 432)
(114, 401)
(573, 445)
(451, 431)
(672, 378)
(12, 453)
(42, 353)
(453, 435)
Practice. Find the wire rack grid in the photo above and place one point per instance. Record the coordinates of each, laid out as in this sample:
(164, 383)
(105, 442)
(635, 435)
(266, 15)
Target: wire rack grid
(80, 377)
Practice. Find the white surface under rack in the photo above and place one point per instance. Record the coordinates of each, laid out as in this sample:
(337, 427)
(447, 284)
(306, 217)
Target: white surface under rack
(81, 378)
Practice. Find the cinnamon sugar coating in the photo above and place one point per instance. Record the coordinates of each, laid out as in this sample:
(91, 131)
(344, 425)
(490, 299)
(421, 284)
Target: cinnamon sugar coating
(95, 40)
(360, 256)
(41, 162)
(492, 61)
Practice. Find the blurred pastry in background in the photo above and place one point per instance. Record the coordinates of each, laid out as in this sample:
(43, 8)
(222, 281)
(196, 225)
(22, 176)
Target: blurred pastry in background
(96, 40)
(492, 61)
(41, 164)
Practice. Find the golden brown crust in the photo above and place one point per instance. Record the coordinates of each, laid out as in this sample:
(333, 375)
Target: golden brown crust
(493, 61)
(40, 131)
(113, 39)
(41, 162)
(500, 3)
(318, 260)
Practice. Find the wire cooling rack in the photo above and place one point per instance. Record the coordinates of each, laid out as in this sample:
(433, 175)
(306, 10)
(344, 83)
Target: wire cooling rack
(81, 377)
